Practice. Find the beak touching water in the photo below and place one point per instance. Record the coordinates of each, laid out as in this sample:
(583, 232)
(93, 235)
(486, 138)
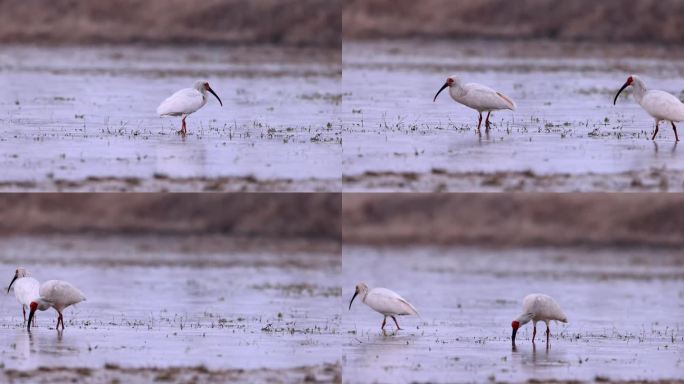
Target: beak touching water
(33, 306)
(440, 91)
(352, 300)
(515, 330)
(10, 286)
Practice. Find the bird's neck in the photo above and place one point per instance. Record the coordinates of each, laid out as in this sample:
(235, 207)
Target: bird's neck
(639, 90)
(456, 90)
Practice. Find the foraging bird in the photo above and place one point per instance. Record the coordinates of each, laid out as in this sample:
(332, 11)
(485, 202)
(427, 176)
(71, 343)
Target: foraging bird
(659, 104)
(385, 301)
(25, 289)
(538, 307)
(186, 101)
(56, 294)
(477, 97)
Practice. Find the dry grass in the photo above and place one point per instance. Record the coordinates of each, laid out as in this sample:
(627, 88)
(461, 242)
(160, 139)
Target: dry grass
(315, 216)
(290, 22)
(515, 219)
(588, 20)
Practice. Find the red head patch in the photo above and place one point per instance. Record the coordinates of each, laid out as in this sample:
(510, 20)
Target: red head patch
(450, 81)
(206, 86)
(33, 305)
(515, 324)
(630, 80)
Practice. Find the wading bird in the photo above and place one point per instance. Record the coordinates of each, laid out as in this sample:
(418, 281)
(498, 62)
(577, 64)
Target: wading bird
(659, 104)
(385, 301)
(25, 289)
(477, 97)
(186, 101)
(538, 307)
(56, 294)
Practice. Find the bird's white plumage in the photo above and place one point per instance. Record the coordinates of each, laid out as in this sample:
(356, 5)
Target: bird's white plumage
(26, 290)
(60, 294)
(388, 302)
(480, 97)
(543, 308)
(183, 102)
(663, 106)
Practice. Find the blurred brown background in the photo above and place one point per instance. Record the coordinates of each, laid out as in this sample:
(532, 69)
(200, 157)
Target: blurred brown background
(515, 219)
(311, 216)
(289, 22)
(587, 20)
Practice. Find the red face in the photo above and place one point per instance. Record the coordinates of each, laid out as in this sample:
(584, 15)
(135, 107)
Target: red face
(630, 80)
(450, 81)
(206, 86)
(515, 325)
(33, 305)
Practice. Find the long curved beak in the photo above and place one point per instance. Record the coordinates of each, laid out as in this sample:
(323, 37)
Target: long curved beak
(620, 91)
(440, 91)
(10, 286)
(33, 311)
(352, 300)
(215, 95)
(515, 330)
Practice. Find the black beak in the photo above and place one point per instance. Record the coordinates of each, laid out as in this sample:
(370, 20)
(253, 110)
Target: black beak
(30, 318)
(515, 330)
(620, 91)
(440, 91)
(10, 286)
(215, 95)
(352, 300)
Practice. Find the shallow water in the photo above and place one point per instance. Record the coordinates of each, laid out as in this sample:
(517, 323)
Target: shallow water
(624, 308)
(79, 113)
(237, 309)
(565, 123)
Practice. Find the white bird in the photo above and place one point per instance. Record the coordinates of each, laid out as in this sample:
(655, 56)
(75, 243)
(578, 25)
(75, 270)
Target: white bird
(186, 101)
(538, 307)
(478, 97)
(56, 294)
(385, 301)
(659, 104)
(25, 289)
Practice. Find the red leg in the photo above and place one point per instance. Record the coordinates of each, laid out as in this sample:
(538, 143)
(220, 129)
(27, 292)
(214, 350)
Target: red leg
(395, 322)
(487, 121)
(675, 130)
(479, 121)
(547, 335)
(656, 130)
(382, 327)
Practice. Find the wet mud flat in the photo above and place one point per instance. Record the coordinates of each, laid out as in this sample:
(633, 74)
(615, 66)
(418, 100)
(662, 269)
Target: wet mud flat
(624, 308)
(83, 118)
(566, 134)
(159, 308)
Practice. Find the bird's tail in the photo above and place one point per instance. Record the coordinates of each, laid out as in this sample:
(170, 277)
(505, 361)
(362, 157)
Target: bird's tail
(508, 100)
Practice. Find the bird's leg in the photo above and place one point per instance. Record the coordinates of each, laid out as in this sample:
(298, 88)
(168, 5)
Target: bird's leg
(548, 332)
(183, 130)
(675, 130)
(384, 320)
(487, 121)
(534, 333)
(60, 319)
(395, 322)
(656, 130)
(479, 121)
(23, 309)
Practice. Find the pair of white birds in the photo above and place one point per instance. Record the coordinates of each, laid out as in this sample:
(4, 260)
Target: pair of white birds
(661, 105)
(55, 294)
(536, 307)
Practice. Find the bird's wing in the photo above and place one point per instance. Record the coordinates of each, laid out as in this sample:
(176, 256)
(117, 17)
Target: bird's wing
(387, 301)
(546, 307)
(62, 291)
(482, 97)
(26, 290)
(185, 101)
(663, 105)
